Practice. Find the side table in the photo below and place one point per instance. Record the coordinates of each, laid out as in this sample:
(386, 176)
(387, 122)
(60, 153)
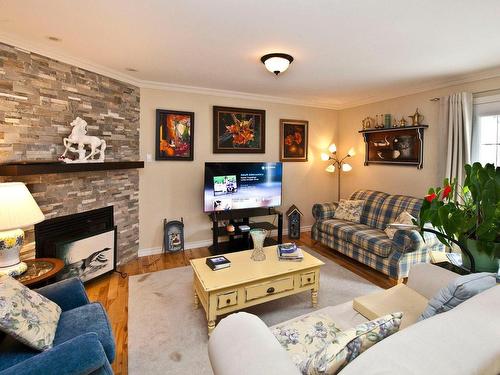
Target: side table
(40, 271)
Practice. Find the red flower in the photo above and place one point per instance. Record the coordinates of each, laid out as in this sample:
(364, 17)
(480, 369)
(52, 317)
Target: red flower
(446, 191)
(430, 197)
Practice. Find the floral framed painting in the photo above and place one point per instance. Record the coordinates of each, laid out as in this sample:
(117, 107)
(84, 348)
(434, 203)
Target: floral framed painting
(174, 135)
(293, 140)
(239, 130)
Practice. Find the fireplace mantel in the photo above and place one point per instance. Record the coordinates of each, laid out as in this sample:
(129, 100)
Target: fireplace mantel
(27, 168)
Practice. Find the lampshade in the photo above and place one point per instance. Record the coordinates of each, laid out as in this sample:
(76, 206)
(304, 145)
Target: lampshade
(351, 152)
(18, 209)
(332, 148)
(346, 167)
(325, 156)
(276, 62)
(330, 168)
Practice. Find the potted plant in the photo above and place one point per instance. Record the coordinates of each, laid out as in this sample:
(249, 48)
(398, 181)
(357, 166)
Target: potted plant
(468, 215)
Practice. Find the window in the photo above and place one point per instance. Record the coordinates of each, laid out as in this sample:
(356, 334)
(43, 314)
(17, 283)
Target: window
(486, 130)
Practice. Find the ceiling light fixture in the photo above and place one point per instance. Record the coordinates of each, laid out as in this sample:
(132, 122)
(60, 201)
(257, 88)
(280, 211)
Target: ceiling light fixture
(276, 62)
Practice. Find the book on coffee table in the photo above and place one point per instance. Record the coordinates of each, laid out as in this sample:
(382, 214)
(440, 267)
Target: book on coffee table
(287, 255)
(218, 262)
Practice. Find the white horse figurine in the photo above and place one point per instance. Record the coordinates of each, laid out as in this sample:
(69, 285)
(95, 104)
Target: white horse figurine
(79, 137)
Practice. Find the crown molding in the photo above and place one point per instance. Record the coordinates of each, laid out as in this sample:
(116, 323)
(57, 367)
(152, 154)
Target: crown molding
(429, 86)
(39, 48)
(44, 50)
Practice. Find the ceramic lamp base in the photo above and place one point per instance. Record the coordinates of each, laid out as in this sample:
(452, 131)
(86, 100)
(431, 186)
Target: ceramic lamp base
(10, 245)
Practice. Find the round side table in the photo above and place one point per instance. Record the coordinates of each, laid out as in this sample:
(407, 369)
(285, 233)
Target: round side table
(40, 270)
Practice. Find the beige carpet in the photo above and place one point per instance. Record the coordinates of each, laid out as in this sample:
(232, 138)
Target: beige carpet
(167, 336)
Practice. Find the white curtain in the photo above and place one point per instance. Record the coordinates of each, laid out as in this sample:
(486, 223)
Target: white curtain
(456, 116)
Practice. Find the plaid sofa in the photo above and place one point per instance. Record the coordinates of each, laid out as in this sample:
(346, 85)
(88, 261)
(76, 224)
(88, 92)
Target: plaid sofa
(367, 242)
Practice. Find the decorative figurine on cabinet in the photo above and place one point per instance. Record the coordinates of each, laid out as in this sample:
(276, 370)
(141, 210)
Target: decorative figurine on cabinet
(416, 118)
(293, 215)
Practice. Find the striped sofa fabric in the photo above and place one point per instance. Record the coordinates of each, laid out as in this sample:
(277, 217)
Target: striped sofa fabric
(367, 242)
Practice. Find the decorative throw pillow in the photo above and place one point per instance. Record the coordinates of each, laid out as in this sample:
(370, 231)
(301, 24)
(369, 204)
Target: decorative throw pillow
(403, 218)
(303, 337)
(458, 291)
(349, 344)
(26, 315)
(349, 210)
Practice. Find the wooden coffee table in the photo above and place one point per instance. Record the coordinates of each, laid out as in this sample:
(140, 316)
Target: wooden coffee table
(248, 283)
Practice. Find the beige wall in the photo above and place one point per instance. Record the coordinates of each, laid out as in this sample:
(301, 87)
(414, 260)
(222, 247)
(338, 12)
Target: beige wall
(171, 189)
(401, 179)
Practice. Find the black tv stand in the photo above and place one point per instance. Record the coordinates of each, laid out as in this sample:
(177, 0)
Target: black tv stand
(239, 240)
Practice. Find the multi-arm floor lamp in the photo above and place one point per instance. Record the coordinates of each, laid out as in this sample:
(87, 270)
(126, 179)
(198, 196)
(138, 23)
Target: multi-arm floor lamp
(337, 163)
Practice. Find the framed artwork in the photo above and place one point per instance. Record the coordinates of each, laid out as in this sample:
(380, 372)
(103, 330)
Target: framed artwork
(239, 130)
(399, 146)
(173, 235)
(174, 135)
(87, 257)
(293, 140)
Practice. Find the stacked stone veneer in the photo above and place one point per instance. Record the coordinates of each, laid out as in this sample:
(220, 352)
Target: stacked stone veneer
(39, 97)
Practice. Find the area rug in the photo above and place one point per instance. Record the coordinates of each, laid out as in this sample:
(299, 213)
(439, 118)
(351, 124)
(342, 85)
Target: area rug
(167, 336)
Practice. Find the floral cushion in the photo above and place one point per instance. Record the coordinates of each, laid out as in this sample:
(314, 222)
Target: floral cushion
(349, 210)
(349, 344)
(403, 218)
(26, 315)
(303, 337)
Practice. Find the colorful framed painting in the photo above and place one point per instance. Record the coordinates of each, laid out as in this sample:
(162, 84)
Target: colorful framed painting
(174, 135)
(293, 140)
(239, 130)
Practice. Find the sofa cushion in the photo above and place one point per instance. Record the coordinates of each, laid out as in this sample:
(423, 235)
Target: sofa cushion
(403, 218)
(458, 291)
(364, 237)
(462, 341)
(84, 319)
(349, 210)
(305, 335)
(373, 202)
(26, 315)
(349, 344)
(393, 206)
(398, 298)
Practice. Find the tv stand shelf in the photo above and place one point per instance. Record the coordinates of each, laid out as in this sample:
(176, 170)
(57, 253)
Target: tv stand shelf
(239, 240)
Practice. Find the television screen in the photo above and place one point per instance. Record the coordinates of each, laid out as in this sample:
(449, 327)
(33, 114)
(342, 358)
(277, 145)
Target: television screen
(232, 186)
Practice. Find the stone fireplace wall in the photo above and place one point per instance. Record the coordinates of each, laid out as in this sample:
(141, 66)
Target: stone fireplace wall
(39, 97)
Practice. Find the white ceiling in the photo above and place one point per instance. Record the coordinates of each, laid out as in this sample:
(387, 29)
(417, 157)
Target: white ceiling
(346, 52)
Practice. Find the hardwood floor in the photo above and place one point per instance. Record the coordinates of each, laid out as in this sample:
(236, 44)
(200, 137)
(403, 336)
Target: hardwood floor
(112, 290)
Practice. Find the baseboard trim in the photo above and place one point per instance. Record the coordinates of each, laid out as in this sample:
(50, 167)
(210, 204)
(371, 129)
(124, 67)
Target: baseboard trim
(204, 243)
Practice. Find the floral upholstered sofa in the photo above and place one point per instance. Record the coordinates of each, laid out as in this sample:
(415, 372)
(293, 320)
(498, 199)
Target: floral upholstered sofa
(367, 241)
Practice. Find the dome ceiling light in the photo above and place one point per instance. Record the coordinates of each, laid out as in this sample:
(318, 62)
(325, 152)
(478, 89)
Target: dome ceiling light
(276, 62)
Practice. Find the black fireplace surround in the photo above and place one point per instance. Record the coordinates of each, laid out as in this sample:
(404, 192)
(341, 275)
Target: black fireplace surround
(64, 228)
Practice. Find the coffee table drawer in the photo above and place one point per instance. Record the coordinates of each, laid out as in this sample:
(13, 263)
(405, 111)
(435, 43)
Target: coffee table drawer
(270, 287)
(307, 278)
(227, 299)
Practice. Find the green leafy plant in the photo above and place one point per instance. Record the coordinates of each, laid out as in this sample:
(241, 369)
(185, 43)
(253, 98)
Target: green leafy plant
(468, 212)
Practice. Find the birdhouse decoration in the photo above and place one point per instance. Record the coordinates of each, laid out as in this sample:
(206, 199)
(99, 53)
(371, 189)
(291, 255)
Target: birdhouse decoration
(293, 215)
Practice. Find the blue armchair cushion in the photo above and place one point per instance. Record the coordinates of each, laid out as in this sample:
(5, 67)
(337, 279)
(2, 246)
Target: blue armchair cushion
(83, 319)
(68, 294)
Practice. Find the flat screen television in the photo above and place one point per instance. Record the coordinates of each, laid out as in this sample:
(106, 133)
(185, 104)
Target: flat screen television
(233, 186)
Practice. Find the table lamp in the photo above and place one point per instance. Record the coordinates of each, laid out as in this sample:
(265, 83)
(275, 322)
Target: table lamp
(18, 210)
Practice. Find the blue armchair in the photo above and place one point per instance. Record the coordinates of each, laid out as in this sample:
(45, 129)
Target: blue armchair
(83, 343)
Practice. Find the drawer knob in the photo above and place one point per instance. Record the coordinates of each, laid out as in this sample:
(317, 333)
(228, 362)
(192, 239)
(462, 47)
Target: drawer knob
(228, 301)
(308, 279)
(270, 290)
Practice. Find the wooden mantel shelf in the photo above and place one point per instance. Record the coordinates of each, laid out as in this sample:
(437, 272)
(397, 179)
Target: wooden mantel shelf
(27, 168)
(394, 129)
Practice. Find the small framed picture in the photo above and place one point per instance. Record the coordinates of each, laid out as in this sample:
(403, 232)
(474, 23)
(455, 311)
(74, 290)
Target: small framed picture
(293, 140)
(174, 135)
(239, 130)
(173, 236)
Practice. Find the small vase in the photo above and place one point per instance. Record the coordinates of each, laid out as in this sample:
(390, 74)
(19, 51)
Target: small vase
(258, 237)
